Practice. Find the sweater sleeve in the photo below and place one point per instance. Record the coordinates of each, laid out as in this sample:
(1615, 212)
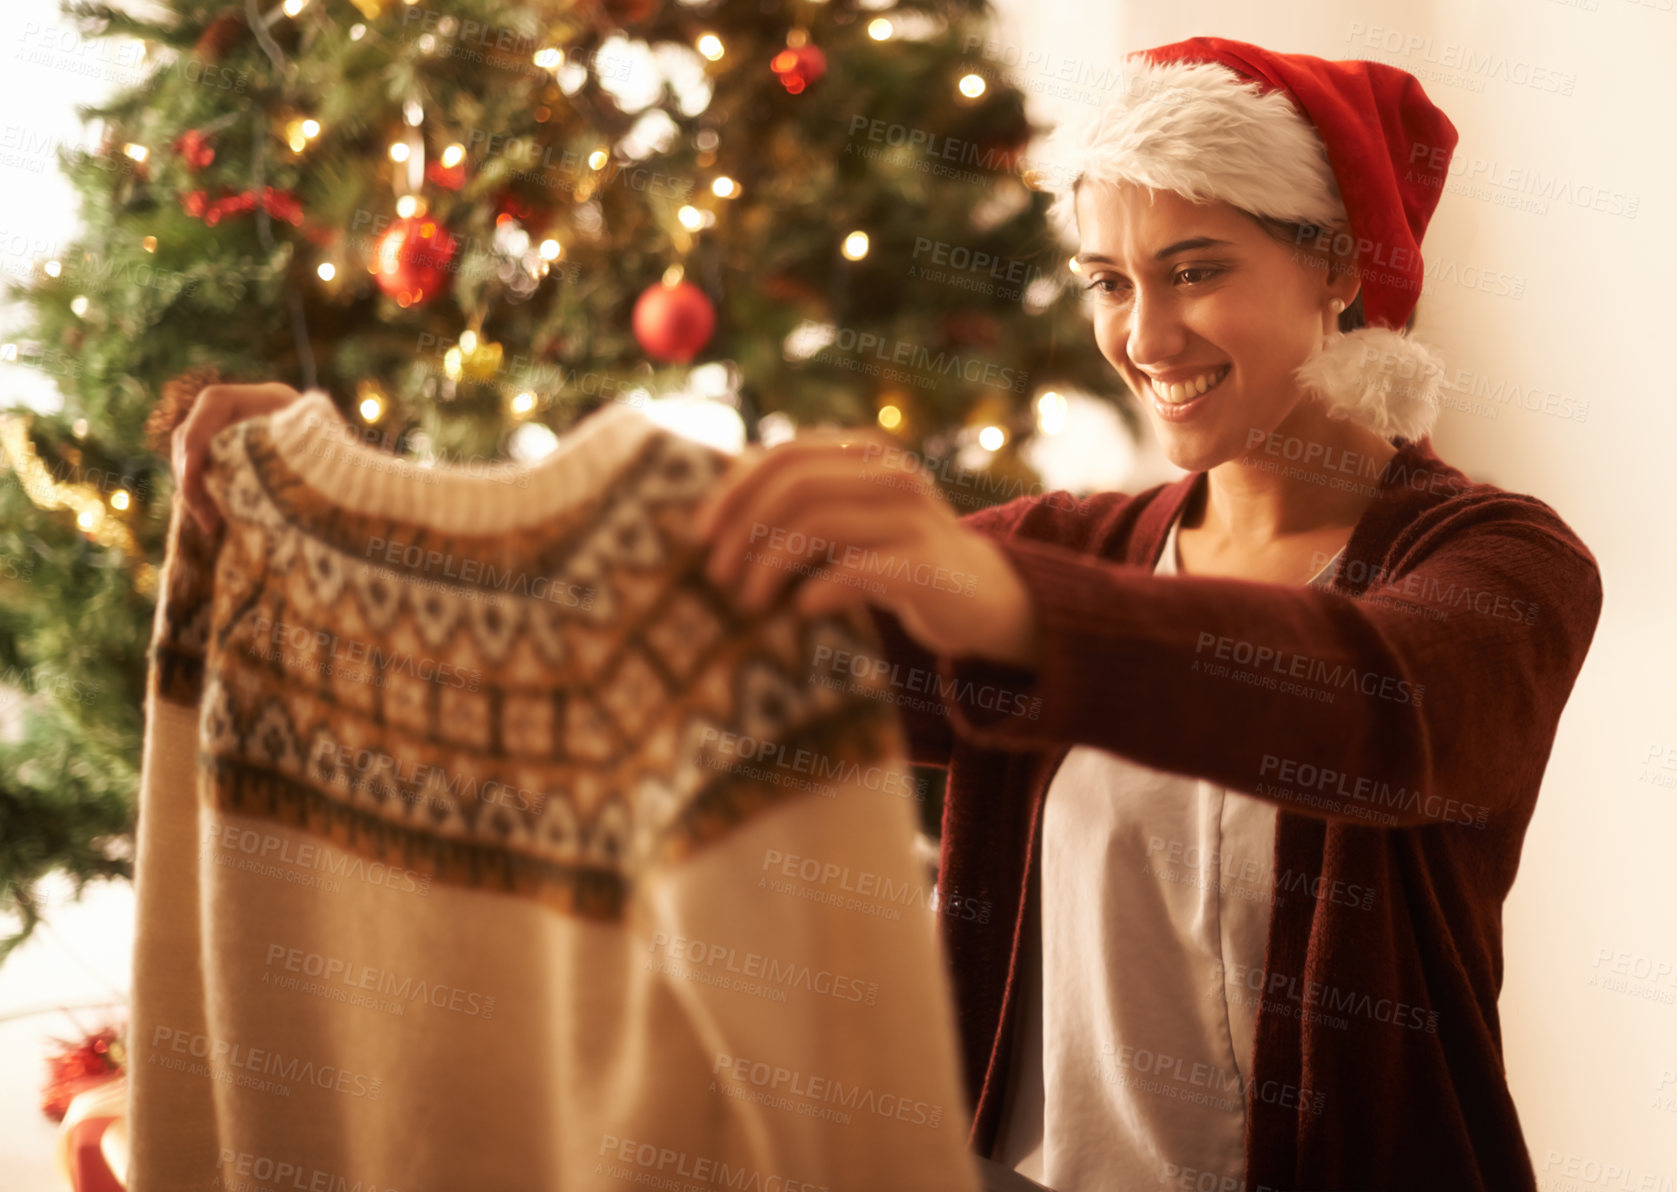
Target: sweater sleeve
(1431, 697)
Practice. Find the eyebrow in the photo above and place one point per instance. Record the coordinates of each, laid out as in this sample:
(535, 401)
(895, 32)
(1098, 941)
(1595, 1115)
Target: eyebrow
(1169, 251)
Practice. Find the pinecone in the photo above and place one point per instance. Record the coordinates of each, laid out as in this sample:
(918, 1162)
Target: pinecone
(175, 404)
(220, 36)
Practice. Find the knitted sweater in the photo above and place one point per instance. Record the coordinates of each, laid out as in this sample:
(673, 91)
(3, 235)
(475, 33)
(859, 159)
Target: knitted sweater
(1401, 719)
(484, 844)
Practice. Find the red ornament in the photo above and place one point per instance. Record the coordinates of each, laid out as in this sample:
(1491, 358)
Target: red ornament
(448, 177)
(799, 66)
(411, 260)
(673, 323)
(193, 147)
(77, 1067)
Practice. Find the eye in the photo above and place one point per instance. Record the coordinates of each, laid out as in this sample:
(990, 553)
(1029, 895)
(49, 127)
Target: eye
(1108, 289)
(1197, 274)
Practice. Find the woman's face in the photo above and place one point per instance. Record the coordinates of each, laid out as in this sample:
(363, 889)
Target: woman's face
(1203, 313)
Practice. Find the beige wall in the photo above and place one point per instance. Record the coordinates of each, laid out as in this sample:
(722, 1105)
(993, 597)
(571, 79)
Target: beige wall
(1586, 314)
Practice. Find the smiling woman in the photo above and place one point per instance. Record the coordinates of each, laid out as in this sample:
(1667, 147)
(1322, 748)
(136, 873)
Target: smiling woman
(1247, 883)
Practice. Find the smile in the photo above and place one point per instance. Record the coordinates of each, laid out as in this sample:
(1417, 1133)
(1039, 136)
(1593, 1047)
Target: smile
(1178, 393)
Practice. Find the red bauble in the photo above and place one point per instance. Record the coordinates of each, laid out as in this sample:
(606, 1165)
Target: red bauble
(673, 323)
(411, 260)
(75, 1067)
(194, 149)
(798, 67)
(448, 177)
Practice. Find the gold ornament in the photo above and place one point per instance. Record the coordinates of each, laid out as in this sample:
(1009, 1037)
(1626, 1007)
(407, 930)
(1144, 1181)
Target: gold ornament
(92, 516)
(474, 359)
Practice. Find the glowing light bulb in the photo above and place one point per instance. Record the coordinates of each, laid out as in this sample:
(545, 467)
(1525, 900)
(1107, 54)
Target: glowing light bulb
(468, 342)
(710, 46)
(85, 519)
(137, 152)
(399, 151)
(597, 159)
(52, 268)
(119, 499)
(327, 271)
(454, 155)
(551, 249)
(890, 417)
(880, 29)
(371, 408)
(1051, 413)
(991, 438)
(79, 306)
(691, 218)
(972, 86)
(724, 187)
(292, 7)
(856, 246)
(550, 58)
(524, 403)
(407, 206)
(310, 129)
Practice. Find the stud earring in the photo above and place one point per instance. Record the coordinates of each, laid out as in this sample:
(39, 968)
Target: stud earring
(1337, 305)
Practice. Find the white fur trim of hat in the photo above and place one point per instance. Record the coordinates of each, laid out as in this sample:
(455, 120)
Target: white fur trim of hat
(1202, 131)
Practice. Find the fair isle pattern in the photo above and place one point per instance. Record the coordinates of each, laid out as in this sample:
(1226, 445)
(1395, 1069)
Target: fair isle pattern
(545, 711)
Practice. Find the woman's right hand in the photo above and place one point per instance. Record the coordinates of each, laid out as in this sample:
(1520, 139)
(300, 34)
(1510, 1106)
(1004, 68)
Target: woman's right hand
(214, 408)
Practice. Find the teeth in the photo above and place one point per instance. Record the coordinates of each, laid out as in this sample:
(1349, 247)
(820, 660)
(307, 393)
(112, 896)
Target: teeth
(1177, 392)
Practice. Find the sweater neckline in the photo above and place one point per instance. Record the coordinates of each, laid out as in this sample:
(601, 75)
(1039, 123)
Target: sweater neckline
(328, 454)
(1153, 526)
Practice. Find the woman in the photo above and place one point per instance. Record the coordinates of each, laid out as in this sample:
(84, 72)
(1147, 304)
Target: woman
(1239, 766)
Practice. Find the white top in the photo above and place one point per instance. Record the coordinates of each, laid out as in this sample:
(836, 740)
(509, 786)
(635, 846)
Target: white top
(1130, 1054)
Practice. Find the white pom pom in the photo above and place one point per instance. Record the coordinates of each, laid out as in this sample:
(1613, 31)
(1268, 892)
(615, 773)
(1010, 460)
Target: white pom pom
(1379, 378)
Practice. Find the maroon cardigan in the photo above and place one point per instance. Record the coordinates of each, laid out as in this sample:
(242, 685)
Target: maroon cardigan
(1448, 643)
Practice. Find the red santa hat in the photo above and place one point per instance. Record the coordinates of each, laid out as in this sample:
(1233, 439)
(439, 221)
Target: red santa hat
(1354, 148)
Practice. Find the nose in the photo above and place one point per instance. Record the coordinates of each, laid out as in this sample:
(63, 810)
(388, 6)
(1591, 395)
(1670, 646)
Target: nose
(1155, 332)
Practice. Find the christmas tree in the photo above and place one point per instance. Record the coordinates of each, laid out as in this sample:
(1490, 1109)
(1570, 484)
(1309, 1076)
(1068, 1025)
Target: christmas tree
(472, 222)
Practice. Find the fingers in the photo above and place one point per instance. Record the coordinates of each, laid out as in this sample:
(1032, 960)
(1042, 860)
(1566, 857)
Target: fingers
(858, 540)
(756, 465)
(780, 500)
(215, 408)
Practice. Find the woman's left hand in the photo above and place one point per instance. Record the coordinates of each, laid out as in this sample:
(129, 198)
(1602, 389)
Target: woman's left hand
(848, 516)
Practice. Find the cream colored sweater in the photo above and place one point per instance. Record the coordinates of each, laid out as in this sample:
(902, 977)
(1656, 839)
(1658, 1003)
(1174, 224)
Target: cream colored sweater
(483, 844)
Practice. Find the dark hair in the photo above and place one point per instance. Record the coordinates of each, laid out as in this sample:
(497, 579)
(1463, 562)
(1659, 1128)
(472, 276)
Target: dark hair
(1295, 234)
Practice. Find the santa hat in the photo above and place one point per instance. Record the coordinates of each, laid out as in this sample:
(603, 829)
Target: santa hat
(1354, 148)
